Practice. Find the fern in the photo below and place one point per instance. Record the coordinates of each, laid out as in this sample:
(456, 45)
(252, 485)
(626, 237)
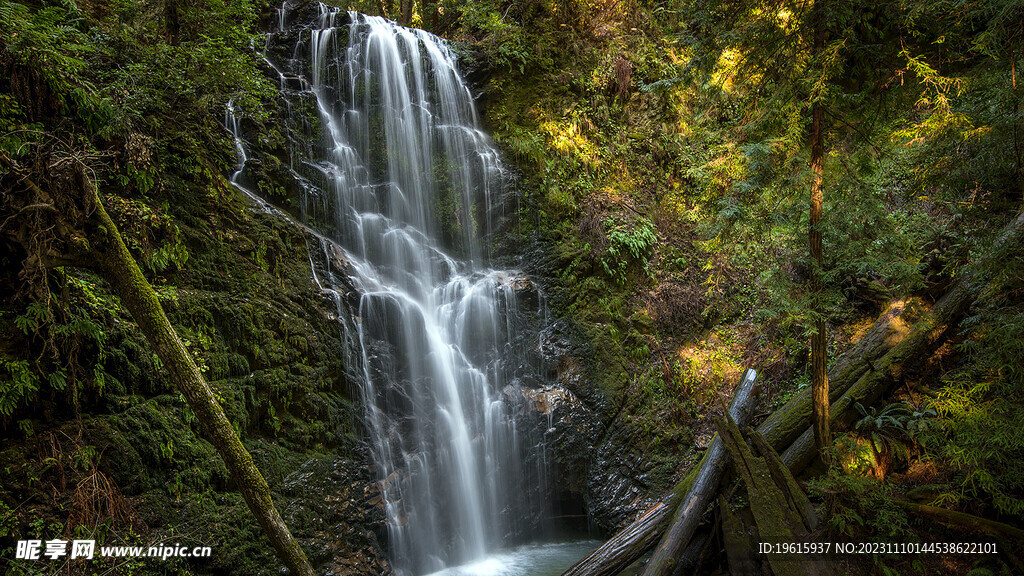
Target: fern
(19, 384)
(628, 244)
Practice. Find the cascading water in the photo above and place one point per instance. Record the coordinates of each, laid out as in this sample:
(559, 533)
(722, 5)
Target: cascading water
(397, 173)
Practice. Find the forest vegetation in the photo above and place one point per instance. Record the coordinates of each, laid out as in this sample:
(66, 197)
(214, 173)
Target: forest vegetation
(702, 187)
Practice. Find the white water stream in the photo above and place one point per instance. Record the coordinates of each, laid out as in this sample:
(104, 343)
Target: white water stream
(402, 179)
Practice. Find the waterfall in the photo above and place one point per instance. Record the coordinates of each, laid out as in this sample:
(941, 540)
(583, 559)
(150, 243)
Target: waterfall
(396, 173)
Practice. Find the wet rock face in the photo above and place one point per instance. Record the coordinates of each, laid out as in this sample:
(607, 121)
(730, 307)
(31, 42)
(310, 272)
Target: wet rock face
(571, 432)
(561, 358)
(594, 463)
(618, 486)
(337, 513)
(594, 468)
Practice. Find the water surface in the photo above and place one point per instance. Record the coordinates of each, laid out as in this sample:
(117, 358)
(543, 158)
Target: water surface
(528, 560)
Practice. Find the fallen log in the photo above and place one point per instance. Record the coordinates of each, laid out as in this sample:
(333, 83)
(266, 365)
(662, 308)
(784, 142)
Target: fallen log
(626, 546)
(116, 264)
(696, 551)
(963, 520)
(787, 423)
(783, 426)
(698, 488)
(740, 549)
(704, 488)
(1010, 539)
(783, 477)
(884, 374)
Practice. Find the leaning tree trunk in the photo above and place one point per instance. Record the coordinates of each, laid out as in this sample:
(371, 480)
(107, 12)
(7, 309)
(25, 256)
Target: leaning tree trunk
(629, 544)
(118, 267)
(781, 510)
(705, 487)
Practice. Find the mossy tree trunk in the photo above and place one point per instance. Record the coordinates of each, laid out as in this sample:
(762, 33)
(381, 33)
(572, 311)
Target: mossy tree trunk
(1010, 540)
(116, 265)
(740, 545)
(779, 505)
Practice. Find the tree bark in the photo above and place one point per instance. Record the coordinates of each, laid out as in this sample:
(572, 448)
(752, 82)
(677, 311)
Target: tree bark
(1010, 540)
(118, 267)
(740, 550)
(406, 12)
(796, 498)
(704, 488)
(696, 551)
(819, 370)
(428, 12)
(632, 542)
(775, 523)
(627, 545)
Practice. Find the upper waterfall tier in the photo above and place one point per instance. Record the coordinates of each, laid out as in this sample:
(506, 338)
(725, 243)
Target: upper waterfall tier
(401, 147)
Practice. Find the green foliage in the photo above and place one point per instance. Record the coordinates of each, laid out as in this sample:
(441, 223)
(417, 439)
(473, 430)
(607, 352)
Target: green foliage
(114, 74)
(897, 418)
(20, 383)
(893, 427)
(979, 433)
(50, 39)
(504, 41)
(980, 437)
(629, 244)
(859, 506)
(53, 43)
(66, 331)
